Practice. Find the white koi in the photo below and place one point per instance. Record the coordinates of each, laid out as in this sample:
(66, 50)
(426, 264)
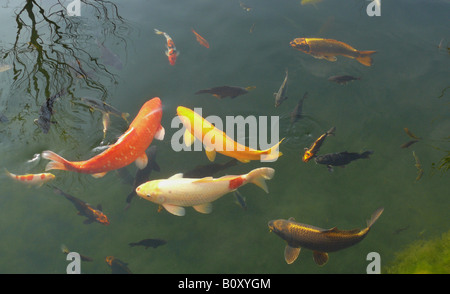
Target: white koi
(177, 192)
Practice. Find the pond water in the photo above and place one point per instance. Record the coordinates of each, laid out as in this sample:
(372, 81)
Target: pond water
(110, 52)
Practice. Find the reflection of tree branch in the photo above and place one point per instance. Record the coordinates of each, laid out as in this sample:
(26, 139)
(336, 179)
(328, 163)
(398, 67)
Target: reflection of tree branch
(53, 51)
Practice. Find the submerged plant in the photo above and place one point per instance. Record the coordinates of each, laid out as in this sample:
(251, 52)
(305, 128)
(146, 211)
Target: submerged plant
(423, 257)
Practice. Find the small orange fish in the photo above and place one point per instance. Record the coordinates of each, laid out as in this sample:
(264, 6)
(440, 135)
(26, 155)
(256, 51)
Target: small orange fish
(171, 51)
(200, 39)
(312, 151)
(32, 179)
(328, 49)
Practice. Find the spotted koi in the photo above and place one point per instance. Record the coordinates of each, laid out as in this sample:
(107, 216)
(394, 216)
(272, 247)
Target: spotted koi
(32, 179)
(129, 147)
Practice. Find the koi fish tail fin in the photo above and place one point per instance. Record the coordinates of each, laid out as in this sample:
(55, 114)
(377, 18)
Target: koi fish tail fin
(365, 57)
(272, 153)
(57, 162)
(158, 32)
(250, 88)
(8, 173)
(374, 217)
(331, 131)
(366, 154)
(259, 175)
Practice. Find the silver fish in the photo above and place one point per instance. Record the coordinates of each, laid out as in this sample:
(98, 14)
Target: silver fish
(280, 96)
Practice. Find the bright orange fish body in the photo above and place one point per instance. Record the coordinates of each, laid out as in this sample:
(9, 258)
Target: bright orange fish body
(314, 148)
(200, 39)
(129, 147)
(328, 49)
(171, 51)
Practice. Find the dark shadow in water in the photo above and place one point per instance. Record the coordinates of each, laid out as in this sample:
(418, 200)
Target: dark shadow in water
(53, 51)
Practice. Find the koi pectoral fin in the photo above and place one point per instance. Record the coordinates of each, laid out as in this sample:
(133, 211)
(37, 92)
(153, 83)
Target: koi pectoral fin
(99, 175)
(160, 134)
(330, 58)
(211, 154)
(291, 253)
(175, 210)
(141, 161)
(320, 258)
(203, 208)
(188, 138)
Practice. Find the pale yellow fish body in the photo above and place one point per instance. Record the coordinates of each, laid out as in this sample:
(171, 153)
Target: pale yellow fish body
(214, 140)
(177, 192)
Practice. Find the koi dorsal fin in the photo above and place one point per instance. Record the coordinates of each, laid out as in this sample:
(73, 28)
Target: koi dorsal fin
(176, 176)
(291, 219)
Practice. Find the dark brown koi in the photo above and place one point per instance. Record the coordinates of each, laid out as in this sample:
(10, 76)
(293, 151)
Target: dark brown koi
(154, 243)
(85, 209)
(409, 143)
(225, 91)
(320, 241)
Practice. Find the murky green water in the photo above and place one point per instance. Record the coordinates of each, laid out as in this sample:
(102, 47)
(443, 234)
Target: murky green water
(407, 86)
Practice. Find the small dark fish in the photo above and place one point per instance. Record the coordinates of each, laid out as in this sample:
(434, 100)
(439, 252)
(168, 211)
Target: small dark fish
(143, 175)
(208, 170)
(314, 148)
(109, 57)
(398, 231)
(45, 113)
(296, 114)
(154, 243)
(418, 166)
(280, 96)
(240, 199)
(410, 134)
(106, 110)
(66, 250)
(225, 91)
(341, 158)
(342, 80)
(320, 241)
(117, 265)
(409, 143)
(85, 209)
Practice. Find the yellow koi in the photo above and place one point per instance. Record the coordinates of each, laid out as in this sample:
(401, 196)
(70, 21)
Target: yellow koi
(216, 140)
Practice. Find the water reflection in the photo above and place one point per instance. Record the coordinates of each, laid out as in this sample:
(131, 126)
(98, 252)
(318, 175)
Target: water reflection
(54, 52)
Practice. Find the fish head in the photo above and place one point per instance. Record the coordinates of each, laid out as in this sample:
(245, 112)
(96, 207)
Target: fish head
(278, 226)
(300, 44)
(307, 155)
(101, 218)
(186, 116)
(151, 192)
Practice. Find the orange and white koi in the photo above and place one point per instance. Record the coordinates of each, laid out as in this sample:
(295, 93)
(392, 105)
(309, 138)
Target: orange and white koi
(32, 179)
(200, 39)
(216, 140)
(177, 192)
(129, 147)
(171, 51)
